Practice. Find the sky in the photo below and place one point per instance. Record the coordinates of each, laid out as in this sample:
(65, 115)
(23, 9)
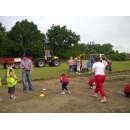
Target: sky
(99, 21)
(100, 29)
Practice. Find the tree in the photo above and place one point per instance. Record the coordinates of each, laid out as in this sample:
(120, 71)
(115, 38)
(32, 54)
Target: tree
(60, 39)
(26, 33)
(106, 48)
(3, 39)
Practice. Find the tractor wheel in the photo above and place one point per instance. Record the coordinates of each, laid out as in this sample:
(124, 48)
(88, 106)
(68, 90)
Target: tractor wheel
(6, 66)
(40, 63)
(56, 63)
(17, 65)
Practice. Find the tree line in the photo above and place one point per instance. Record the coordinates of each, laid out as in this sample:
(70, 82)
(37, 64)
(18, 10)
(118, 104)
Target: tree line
(61, 41)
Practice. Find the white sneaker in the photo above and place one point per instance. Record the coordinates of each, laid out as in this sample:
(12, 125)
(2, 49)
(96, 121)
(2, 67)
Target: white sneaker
(69, 92)
(95, 96)
(14, 98)
(103, 101)
(63, 93)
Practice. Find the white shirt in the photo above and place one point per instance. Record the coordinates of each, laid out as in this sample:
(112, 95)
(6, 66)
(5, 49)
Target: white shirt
(98, 68)
(104, 62)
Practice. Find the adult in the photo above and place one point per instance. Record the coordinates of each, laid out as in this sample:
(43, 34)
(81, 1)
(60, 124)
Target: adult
(78, 63)
(99, 68)
(27, 67)
(92, 61)
(71, 65)
(89, 65)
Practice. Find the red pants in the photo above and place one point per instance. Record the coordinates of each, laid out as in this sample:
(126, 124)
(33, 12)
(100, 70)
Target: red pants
(99, 79)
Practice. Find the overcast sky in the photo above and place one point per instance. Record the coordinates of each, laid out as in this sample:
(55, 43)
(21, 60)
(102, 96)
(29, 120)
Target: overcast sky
(99, 21)
(100, 29)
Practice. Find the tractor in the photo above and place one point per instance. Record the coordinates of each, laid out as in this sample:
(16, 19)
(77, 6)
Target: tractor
(47, 59)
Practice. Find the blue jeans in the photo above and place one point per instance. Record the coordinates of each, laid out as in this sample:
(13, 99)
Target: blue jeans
(71, 67)
(26, 77)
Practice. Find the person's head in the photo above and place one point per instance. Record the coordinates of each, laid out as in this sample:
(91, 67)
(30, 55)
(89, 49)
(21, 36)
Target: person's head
(97, 58)
(25, 55)
(11, 64)
(63, 75)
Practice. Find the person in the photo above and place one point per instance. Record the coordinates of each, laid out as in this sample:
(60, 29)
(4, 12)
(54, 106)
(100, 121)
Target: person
(92, 83)
(99, 70)
(109, 65)
(11, 80)
(65, 81)
(0, 82)
(104, 62)
(78, 65)
(71, 65)
(89, 65)
(127, 90)
(27, 67)
(92, 61)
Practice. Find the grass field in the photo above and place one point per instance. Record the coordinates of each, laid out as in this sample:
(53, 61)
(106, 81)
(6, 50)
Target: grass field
(48, 72)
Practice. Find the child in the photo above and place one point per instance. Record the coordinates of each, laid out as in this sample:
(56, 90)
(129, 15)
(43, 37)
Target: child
(127, 90)
(0, 82)
(109, 65)
(11, 81)
(64, 80)
(92, 83)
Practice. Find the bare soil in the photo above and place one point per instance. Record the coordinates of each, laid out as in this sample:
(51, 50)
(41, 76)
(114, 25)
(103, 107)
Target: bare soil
(79, 101)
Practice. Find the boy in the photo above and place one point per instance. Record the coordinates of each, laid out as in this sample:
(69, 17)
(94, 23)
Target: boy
(64, 80)
(11, 81)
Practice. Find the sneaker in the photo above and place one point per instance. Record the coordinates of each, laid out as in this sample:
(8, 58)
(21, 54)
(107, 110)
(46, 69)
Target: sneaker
(63, 93)
(103, 101)
(95, 96)
(69, 92)
(31, 90)
(24, 91)
(13, 98)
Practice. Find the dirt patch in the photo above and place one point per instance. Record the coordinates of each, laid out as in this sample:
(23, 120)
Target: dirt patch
(79, 101)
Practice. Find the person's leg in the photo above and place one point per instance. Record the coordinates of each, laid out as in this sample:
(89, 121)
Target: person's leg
(70, 69)
(24, 80)
(29, 80)
(63, 87)
(99, 87)
(102, 92)
(12, 91)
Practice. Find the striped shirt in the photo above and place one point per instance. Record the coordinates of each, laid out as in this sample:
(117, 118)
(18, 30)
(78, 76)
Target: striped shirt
(26, 63)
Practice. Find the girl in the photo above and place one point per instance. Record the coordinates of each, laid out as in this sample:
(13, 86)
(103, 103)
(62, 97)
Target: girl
(64, 80)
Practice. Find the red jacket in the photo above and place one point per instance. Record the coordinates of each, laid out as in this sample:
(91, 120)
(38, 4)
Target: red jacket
(91, 81)
(127, 89)
(109, 63)
(64, 79)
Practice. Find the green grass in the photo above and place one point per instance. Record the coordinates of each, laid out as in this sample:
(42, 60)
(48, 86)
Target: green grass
(48, 72)
(121, 65)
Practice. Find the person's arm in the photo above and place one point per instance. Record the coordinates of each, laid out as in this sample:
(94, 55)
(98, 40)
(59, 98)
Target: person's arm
(31, 66)
(21, 65)
(61, 79)
(11, 74)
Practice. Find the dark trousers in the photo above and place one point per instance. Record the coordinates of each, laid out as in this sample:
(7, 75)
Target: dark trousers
(64, 84)
(127, 94)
